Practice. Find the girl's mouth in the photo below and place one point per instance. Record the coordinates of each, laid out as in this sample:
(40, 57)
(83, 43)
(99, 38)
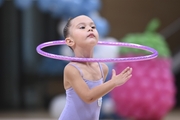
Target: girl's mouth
(91, 35)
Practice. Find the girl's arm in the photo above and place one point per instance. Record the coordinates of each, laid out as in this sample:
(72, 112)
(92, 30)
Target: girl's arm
(72, 75)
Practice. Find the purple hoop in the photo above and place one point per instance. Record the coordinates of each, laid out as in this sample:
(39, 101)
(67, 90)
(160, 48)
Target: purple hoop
(129, 59)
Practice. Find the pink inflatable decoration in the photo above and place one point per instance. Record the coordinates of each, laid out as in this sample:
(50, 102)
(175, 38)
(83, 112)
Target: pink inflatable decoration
(149, 94)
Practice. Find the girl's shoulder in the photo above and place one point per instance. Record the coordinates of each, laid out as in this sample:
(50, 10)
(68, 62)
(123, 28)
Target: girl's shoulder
(70, 70)
(72, 67)
(105, 69)
(104, 66)
(69, 67)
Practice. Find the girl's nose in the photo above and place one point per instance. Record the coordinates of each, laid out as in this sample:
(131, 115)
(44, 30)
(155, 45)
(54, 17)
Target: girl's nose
(90, 29)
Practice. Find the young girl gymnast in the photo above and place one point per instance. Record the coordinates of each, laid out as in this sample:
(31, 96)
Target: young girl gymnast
(84, 81)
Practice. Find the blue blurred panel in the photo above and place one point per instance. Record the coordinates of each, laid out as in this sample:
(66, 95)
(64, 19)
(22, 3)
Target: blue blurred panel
(44, 5)
(23, 4)
(1, 2)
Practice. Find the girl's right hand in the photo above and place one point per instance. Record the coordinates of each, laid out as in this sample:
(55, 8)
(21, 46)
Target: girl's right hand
(121, 78)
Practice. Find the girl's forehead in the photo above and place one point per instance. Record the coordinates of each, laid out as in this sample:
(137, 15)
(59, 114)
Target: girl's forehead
(81, 19)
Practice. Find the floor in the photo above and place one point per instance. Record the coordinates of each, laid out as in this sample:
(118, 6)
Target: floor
(44, 115)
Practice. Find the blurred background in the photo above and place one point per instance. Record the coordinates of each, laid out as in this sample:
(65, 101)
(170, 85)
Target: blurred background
(31, 86)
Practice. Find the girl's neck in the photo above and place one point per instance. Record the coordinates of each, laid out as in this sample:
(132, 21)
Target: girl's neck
(83, 53)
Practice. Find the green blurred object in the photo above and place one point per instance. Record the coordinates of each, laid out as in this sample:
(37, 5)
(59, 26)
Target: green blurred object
(149, 38)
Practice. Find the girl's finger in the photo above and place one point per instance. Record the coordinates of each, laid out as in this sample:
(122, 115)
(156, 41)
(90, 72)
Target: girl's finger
(125, 70)
(113, 72)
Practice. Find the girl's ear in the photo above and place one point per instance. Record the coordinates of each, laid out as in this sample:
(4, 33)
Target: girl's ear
(69, 42)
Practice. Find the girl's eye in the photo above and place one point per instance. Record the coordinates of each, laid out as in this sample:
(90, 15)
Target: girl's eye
(82, 27)
(93, 27)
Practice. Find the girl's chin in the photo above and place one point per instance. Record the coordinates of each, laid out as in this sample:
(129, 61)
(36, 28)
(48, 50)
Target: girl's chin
(93, 41)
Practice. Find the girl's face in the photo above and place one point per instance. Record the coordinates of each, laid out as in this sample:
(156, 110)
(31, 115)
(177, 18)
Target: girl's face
(83, 31)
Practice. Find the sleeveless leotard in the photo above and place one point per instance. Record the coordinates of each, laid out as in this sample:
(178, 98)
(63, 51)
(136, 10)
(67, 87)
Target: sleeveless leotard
(76, 108)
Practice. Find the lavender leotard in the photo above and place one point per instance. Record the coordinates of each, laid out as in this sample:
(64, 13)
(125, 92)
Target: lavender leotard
(76, 108)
